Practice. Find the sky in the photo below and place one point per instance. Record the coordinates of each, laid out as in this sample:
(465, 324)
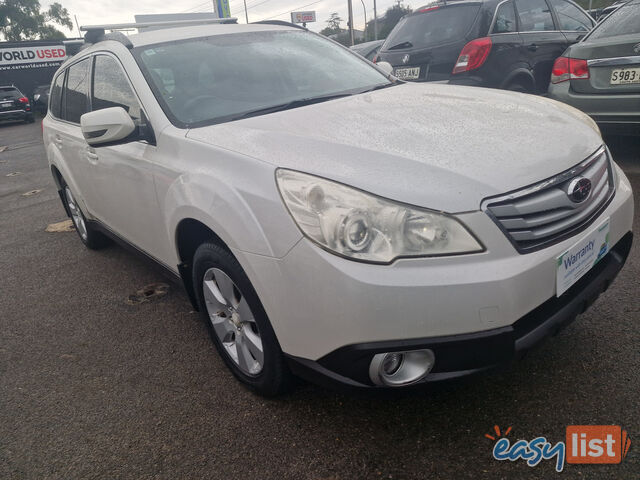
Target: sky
(122, 11)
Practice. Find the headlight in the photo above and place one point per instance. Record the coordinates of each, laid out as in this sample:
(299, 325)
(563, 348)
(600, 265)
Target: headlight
(359, 225)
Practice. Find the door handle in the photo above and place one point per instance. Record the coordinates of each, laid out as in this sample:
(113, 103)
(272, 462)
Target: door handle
(58, 139)
(533, 47)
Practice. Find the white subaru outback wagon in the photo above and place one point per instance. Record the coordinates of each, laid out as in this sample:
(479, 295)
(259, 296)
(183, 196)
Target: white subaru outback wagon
(327, 220)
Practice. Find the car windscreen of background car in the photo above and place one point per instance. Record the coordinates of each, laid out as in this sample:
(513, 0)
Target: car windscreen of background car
(433, 27)
(219, 78)
(624, 21)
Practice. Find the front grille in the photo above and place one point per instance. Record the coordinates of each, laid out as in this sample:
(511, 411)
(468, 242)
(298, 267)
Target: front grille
(540, 215)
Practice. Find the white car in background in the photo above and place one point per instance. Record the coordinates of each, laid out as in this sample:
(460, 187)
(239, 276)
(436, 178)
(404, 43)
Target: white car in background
(330, 221)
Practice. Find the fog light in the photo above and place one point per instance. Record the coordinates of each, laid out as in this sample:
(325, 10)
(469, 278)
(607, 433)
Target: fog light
(396, 369)
(391, 363)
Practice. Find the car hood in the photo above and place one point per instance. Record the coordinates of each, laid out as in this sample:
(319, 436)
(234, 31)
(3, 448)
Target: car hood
(443, 147)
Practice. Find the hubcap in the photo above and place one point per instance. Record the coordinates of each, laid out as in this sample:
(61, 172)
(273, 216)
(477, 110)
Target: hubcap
(76, 215)
(232, 321)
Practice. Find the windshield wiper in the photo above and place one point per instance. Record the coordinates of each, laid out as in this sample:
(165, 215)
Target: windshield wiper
(401, 45)
(288, 105)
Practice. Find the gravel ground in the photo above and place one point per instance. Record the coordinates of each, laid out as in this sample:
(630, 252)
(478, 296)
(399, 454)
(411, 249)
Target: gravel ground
(93, 387)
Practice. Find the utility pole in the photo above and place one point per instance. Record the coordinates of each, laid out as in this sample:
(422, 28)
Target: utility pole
(351, 23)
(246, 15)
(364, 30)
(375, 21)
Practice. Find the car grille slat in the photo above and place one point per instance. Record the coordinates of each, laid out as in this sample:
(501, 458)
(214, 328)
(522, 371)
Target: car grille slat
(543, 214)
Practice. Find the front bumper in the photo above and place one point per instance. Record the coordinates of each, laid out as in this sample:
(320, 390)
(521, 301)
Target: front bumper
(614, 113)
(331, 314)
(466, 354)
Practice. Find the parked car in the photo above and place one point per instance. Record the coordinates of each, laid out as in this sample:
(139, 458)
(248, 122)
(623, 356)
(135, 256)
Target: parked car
(600, 14)
(14, 106)
(368, 49)
(41, 97)
(601, 74)
(492, 43)
(450, 232)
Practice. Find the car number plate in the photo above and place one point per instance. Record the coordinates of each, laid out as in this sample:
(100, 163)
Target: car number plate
(623, 76)
(580, 258)
(407, 73)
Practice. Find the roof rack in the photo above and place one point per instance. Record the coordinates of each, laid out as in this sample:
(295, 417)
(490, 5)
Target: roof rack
(96, 33)
(279, 22)
(174, 23)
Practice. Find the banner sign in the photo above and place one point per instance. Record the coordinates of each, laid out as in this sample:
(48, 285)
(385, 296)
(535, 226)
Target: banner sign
(223, 8)
(32, 57)
(303, 17)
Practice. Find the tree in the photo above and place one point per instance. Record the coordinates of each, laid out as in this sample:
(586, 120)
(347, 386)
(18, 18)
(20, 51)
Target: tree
(389, 20)
(333, 25)
(24, 20)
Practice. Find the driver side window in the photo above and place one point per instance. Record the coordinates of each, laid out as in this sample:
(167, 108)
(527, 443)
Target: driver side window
(111, 89)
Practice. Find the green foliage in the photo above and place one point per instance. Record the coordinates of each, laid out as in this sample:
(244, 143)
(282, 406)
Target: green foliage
(24, 20)
(386, 23)
(333, 25)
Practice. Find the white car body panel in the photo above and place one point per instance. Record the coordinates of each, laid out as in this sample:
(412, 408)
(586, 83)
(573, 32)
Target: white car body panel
(398, 142)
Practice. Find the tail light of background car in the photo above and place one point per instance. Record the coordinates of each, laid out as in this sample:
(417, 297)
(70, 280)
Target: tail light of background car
(566, 68)
(473, 55)
(23, 100)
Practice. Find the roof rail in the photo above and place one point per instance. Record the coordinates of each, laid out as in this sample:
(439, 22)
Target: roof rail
(175, 23)
(280, 22)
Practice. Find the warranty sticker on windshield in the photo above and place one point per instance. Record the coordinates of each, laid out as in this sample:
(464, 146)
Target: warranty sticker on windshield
(579, 259)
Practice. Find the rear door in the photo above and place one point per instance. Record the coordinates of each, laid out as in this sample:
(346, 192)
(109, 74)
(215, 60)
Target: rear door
(542, 42)
(68, 136)
(572, 20)
(612, 51)
(425, 45)
(505, 56)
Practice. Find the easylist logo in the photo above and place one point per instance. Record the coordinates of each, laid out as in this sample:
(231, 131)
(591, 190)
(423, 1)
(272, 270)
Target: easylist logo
(596, 444)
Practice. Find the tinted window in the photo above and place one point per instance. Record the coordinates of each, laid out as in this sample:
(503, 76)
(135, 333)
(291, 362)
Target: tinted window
(505, 19)
(433, 27)
(111, 88)
(201, 80)
(624, 21)
(56, 95)
(76, 94)
(571, 18)
(9, 93)
(534, 15)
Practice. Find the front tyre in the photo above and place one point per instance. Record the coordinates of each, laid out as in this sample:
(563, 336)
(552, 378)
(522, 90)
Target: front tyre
(237, 322)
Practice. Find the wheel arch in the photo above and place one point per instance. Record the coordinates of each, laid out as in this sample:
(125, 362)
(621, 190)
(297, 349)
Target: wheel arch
(520, 75)
(190, 233)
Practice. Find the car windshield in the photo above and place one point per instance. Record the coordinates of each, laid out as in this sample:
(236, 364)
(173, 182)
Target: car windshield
(434, 26)
(9, 93)
(624, 21)
(222, 78)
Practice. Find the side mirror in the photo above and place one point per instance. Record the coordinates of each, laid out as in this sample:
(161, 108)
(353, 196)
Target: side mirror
(109, 125)
(386, 67)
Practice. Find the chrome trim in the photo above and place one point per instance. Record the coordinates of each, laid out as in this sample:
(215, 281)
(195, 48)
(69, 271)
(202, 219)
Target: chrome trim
(604, 62)
(541, 218)
(11, 111)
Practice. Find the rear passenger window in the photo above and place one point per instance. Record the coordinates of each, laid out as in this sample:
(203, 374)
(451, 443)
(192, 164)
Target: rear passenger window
(571, 18)
(76, 94)
(56, 95)
(535, 16)
(505, 19)
(111, 88)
